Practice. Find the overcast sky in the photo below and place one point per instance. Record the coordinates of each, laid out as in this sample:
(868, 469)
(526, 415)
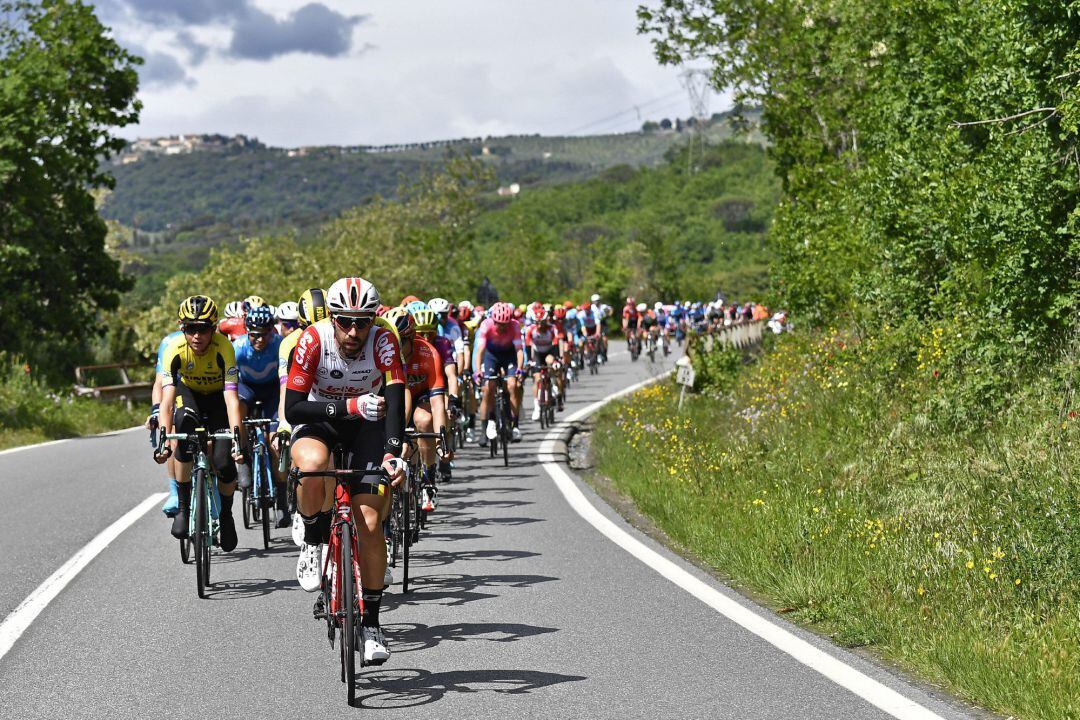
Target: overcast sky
(292, 72)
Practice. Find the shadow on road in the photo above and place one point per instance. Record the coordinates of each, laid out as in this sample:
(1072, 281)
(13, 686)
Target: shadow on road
(410, 637)
(436, 558)
(243, 588)
(454, 589)
(473, 522)
(410, 688)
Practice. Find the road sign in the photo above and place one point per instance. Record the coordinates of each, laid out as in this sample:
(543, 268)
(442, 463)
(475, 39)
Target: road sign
(685, 375)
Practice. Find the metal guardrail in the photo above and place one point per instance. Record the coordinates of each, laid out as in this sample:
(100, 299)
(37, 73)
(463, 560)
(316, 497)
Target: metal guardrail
(741, 335)
(127, 391)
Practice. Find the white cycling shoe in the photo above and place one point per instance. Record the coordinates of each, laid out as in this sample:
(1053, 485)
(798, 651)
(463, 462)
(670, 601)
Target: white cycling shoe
(374, 642)
(490, 431)
(536, 411)
(515, 435)
(309, 567)
(298, 529)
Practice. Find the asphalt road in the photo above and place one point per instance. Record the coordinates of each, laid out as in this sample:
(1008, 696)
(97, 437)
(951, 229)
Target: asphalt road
(520, 609)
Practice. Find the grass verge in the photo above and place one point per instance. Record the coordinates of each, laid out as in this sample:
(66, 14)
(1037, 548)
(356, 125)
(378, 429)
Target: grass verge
(31, 413)
(830, 494)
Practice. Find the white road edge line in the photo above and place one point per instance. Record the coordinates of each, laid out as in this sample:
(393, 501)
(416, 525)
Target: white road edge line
(880, 696)
(64, 440)
(16, 623)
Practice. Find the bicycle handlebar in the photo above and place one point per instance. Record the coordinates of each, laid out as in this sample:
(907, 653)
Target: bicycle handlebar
(342, 473)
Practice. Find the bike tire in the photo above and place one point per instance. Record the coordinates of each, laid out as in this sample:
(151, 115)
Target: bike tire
(185, 551)
(494, 446)
(202, 533)
(405, 530)
(349, 620)
(246, 510)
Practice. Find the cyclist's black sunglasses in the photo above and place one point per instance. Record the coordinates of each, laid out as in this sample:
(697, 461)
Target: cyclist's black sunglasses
(196, 328)
(348, 321)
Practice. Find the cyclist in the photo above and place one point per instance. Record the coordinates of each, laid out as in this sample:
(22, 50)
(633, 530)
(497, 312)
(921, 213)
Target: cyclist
(498, 347)
(152, 421)
(648, 322)
(347, 387)
(257, 354)
(469, 320)
(287, 316)
(601, 312)
(233, 323)
(425, 402)
(426, 328)
(544, 340)
(630, 320)
(198, 380)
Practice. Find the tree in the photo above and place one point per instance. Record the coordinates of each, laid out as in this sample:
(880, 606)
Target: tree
(64, 83)
(665, 124)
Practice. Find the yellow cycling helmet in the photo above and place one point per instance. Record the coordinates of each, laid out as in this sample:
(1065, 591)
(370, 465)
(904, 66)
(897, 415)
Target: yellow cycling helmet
(425, 320)
(198, 308)
(312, 307)
(253, 301)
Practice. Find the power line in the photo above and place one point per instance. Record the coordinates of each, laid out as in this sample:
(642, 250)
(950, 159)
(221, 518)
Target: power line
(632, 109)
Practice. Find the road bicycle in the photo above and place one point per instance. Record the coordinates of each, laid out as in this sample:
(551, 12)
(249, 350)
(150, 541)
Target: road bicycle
(205, 509)
(261, 498)
(634, 344)
(504, 422)
(407, 517)
(545, 395)
(650, 345)
(590, 353)
(341, 599)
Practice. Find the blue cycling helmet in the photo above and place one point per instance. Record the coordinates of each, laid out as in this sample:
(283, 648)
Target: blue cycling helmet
(571, 314)
(259, 318)
(417, 305)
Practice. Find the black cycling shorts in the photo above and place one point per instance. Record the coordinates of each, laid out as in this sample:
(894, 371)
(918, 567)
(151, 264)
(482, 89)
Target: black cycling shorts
(204, 410)
(363, 442)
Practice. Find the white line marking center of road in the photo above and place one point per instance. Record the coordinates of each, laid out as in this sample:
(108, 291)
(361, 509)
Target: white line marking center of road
(21, 617)
(869, 689)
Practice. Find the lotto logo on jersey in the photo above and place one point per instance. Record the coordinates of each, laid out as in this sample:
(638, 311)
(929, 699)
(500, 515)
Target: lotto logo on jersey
(384, 349)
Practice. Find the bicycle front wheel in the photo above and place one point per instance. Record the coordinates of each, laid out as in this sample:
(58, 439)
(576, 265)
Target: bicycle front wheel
(349, 611)
(264, 494)
(246, 509)
(202, 532)
(406, 540)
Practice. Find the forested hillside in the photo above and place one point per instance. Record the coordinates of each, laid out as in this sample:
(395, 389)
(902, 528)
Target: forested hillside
(682, 228)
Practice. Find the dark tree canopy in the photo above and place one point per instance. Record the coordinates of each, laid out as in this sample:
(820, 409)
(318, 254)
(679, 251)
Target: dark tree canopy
(64, 84)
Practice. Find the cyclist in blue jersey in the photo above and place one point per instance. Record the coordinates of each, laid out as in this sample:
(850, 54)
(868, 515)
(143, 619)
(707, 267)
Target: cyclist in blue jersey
(172, 503)
(257, 361)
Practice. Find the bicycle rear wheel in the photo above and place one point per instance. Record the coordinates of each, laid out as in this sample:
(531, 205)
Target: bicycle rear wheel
(185, 551)
(349, 614)
(246, 509)
(263, 491)
(406, 538)
(202, 533)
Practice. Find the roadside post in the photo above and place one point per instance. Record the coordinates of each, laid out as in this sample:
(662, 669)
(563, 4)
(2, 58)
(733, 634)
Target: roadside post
(684, 375)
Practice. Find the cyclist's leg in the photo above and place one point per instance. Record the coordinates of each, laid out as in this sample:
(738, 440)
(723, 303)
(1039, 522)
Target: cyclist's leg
(217, 417)
(314, 497)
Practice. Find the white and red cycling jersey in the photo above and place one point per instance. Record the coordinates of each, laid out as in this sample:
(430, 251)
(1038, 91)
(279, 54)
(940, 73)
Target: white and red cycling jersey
(321, 371)
(542, 339)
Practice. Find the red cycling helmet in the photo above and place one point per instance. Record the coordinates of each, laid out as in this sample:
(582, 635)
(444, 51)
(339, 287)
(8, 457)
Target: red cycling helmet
(540, 314)
(560, 313)
(583, 307)
(502, 313)
(408, 299)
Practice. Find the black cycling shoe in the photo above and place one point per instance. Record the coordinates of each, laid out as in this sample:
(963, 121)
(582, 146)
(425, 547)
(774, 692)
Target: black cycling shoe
(227, 534)
(180, 523)
(180, 520)
(283, 519)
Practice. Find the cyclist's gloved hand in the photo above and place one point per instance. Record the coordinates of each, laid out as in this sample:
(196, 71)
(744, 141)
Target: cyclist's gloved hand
(395, 468)
(478, 378)
(368, 406)
(152, 418)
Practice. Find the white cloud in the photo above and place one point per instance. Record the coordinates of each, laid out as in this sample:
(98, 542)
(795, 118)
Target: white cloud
(411, 71)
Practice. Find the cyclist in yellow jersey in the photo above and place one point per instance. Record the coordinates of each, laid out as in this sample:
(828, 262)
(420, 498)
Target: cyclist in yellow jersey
(198, 389)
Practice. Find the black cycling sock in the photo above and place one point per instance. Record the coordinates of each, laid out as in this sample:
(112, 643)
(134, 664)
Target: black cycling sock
(183, 496)
(226, 505)
(372, 601)
(312, 530)
(281, 497)
(324, 527)
(429, 474)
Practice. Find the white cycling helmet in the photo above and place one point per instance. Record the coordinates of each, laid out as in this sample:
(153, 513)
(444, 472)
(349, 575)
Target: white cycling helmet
(595, 298)
(234, 309)
(288, 311)
(352, 296)
(439, 305)
(658, 306)
(642, 307)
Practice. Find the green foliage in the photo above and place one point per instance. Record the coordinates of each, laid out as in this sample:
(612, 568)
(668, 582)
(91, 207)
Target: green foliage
(31, 412)
(928, 153)
(64, 83)
(656, 233)
(716, 370)
(843, 500)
